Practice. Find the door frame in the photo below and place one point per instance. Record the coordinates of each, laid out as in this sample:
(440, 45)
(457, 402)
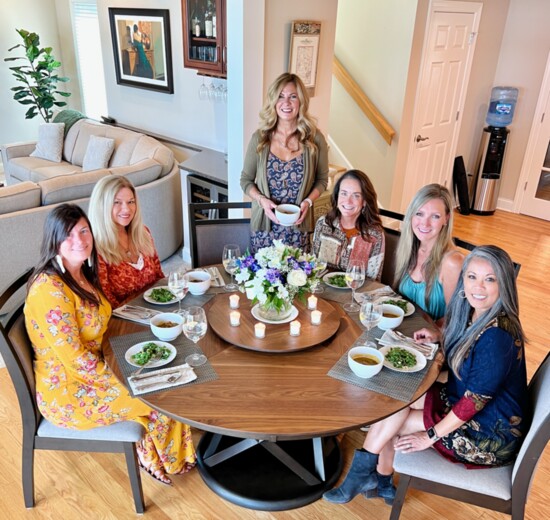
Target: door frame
(451, 6)
(534, 135)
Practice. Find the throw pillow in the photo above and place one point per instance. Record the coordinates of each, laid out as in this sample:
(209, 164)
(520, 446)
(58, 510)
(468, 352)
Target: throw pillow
(98, 153)
(50, 142)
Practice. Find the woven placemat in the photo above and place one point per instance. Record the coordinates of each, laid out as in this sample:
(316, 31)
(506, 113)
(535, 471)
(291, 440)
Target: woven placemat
(184, 347)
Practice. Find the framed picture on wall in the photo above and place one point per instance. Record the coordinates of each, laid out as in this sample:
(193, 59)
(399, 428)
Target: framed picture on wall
(142, 49)
(304, 52)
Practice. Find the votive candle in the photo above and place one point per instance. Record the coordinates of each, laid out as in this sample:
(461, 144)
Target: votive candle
(312, 302)
(316, 317)
(259, 330)
(295, 328)
(235, 318)
(234, 301)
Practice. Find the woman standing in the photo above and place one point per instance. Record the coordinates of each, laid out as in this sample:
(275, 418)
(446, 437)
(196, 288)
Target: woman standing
(286, 162)
(66, 315)
(128, 261)
(427, 264)
(352, 229)
(480, 416)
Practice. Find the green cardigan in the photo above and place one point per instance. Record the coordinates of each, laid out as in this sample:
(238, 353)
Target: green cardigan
(254, 174)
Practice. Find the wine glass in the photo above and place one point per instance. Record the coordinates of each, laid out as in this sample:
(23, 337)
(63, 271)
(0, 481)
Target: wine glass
(229, 259)
(177, 283)
(321, 267)
(355, 277)
(194, 328)
(203, 91)
(370, 315)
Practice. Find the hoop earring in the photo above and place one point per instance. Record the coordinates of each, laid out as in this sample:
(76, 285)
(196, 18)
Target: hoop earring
(461, 294)
(59, 261)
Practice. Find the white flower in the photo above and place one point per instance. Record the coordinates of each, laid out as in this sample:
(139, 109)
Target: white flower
(242, 276)
(297, 277)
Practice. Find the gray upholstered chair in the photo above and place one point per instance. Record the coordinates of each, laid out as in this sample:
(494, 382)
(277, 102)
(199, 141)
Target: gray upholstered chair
(209, 235)
(503, 489)
(38, 433)
(391, 235)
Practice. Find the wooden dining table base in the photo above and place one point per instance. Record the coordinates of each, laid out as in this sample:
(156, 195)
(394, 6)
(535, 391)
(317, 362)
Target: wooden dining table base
(267, 475)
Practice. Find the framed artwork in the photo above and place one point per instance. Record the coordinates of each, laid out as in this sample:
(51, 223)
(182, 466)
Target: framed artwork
(304, 52)
(141, 47)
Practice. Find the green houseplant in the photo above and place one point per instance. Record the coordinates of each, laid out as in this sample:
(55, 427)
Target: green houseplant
(39, 78)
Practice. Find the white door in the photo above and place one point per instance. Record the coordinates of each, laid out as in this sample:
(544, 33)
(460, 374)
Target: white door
(445, 70)
(534, 184)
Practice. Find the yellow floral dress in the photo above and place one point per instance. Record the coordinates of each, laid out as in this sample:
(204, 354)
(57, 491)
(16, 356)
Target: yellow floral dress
(76, 389)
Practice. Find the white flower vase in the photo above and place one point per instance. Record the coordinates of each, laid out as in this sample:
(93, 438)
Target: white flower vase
(268, 312)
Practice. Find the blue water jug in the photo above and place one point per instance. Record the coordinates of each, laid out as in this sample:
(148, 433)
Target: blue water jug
(501, 106)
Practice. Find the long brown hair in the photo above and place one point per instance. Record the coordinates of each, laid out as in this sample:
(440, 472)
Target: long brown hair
(369, 216)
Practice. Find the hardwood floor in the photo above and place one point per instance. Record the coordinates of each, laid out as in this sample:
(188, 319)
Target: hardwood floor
(92, 486)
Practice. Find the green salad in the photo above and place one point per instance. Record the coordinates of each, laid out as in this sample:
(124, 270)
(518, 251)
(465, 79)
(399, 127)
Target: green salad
(148, 351)
(399, 303)
(339, 280)
(160, 294)
(401, 358)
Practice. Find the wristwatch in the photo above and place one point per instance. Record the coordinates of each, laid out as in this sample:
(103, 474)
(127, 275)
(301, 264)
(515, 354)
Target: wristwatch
(432, 434)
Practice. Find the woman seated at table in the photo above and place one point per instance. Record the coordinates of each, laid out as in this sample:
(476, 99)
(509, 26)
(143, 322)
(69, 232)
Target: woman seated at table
(128, 260)
(286, 162)
(66, 315)
(480, 416)
(352, 229)
(427, 264)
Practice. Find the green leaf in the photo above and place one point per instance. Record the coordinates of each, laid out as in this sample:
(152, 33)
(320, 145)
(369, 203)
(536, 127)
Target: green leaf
(64, 94)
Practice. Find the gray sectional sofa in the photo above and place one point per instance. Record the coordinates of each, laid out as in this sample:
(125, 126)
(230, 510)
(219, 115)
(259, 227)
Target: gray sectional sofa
(36, 185)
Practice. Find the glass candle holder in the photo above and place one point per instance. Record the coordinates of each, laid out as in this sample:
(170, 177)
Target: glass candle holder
(316, 317)
(234, 301)
(295, 328)
(235, 318)
(259, 330)
(312, 302)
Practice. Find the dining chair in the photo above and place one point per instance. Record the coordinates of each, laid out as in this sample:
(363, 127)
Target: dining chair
(504, 489)
(463, 244)
(40, 434)
(210, 234)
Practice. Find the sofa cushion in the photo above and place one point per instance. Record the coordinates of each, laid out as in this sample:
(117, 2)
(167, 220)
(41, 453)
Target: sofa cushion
(98, 153)
(149, 148)
(18, 197)
(50, 142)
(141, 173)
(125, 142)
(66, 188)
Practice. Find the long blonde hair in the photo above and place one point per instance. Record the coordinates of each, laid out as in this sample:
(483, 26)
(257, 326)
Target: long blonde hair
(306, 126)
(105, 229)
(406, 255)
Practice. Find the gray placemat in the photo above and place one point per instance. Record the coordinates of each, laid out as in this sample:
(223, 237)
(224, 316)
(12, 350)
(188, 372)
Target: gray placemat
(188, 301)
(397, 385)
(184, 347)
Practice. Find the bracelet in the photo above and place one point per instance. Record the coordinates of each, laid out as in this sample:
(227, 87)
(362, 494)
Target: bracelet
(310, 201)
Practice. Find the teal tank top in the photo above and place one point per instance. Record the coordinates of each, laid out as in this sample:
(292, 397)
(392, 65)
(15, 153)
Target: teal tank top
(415, 291)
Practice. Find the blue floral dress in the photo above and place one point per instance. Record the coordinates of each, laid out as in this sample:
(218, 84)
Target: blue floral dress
(284, 180)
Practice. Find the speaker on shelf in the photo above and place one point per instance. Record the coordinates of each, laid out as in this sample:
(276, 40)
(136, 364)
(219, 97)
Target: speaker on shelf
(460, 185)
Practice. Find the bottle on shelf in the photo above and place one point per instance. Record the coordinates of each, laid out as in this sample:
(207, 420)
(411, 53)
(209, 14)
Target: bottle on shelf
(208, 22)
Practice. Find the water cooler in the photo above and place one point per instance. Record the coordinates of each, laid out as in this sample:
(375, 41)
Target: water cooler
(493, 145)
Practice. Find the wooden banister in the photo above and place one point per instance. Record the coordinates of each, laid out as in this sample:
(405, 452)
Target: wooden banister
(363, 101)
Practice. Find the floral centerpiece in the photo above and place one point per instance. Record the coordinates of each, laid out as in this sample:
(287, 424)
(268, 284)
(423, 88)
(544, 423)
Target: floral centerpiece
(274, 276)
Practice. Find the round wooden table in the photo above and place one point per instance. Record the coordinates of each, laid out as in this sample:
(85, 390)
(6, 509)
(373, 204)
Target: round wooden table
(262, 400)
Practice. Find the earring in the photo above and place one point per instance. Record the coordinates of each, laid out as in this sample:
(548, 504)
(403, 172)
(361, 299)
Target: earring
(461, 293)
(90, 262)
(59, 261)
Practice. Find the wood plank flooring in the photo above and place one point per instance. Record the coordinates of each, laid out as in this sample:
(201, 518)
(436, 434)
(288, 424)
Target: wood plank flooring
(93, 486)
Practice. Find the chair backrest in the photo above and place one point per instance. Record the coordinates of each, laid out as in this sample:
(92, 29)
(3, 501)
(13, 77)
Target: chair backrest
(17, 352)
(208, 236)
(469, 247)
(539, 432)
(388, 270)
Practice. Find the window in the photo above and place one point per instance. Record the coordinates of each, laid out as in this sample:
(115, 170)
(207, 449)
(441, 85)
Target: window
(88, 58)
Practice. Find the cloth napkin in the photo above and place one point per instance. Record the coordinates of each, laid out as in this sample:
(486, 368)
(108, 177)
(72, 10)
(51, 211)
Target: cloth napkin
(135, 313)
(382, 292)
(217, 278)
(158, 379)
(396, 339)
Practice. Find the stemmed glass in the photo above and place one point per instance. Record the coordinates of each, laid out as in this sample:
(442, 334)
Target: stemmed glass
(194, 328)
(370, 315)
(321, 267)
(355, 278)
(203, 91)
(177, 283)
(229, 259)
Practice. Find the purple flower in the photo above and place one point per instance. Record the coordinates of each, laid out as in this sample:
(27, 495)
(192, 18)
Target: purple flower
(272, 275)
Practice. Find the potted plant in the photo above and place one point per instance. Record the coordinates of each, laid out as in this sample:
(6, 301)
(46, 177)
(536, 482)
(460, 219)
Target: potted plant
(39, 78)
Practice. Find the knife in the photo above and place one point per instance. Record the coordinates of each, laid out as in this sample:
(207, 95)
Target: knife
(153, 374)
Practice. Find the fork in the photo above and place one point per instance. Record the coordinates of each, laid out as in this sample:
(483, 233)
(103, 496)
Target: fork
(156, 357)
(170, 380)
(215, 275)
(140, 312)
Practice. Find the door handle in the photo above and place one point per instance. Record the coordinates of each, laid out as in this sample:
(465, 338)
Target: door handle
(420, 138)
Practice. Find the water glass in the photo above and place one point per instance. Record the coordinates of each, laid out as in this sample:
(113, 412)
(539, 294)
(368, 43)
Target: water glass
(177, 284)
(194, 328)
(231, 252)
(355, 278)
(370, 315)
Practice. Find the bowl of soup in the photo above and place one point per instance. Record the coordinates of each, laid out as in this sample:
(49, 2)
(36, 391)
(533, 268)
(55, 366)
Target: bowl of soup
(166, 326)
(392, 316)
(287, 214)
(198, 282)
(365, 362)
